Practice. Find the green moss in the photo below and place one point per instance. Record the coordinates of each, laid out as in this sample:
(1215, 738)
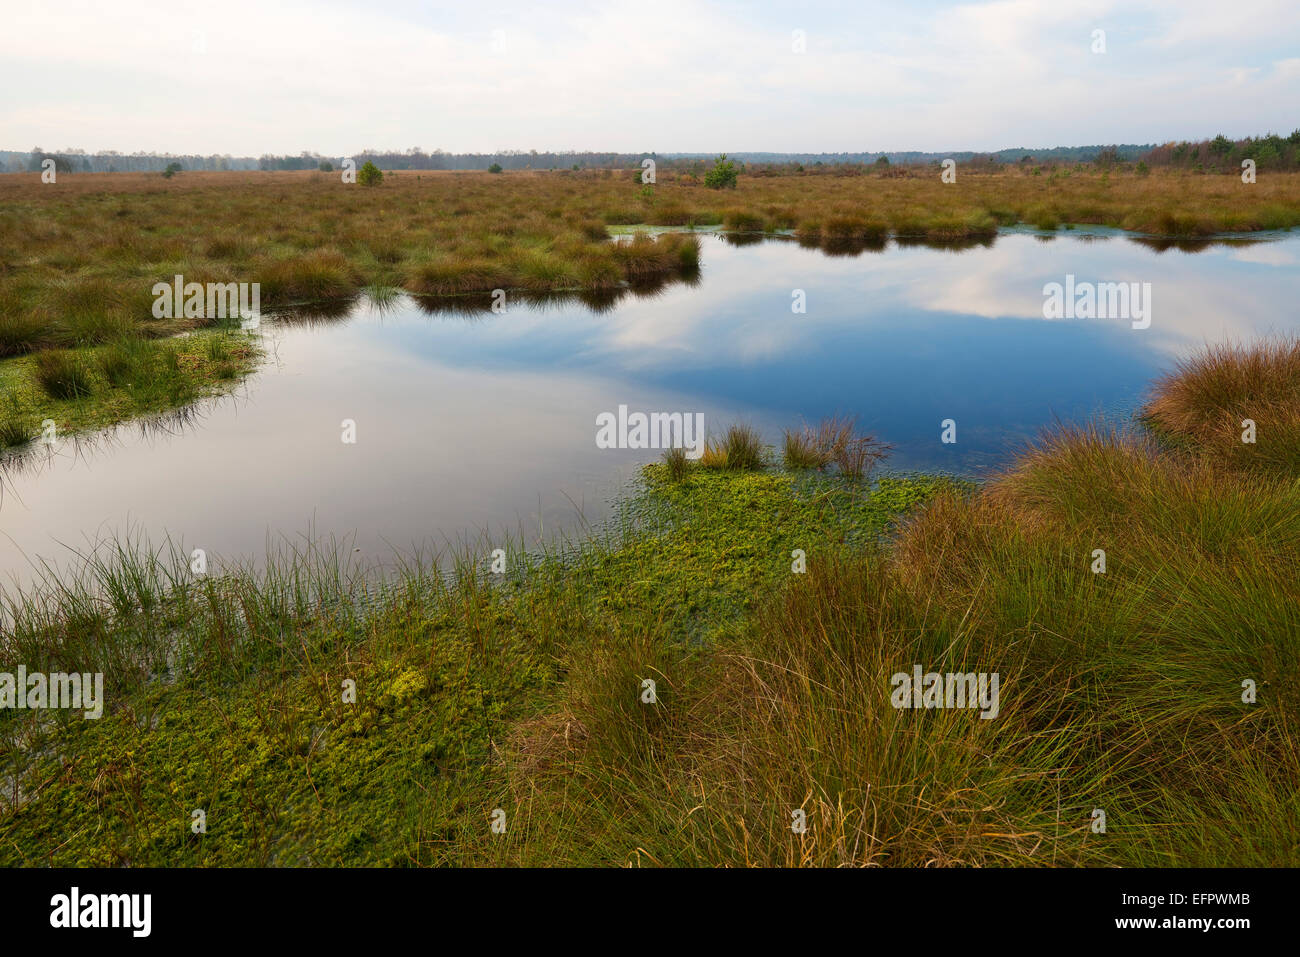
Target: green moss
(128, 379)
(289, 773)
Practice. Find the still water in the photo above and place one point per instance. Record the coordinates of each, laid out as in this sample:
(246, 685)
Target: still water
(471, 424)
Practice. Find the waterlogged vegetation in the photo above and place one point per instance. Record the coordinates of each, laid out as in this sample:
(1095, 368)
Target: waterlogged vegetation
(79, 257)
(58, 391)
(770, 607)
(232, 687)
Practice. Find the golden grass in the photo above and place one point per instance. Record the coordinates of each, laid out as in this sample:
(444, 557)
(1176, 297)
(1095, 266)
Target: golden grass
(1121, 689)
(78, 259)
(1241, 404)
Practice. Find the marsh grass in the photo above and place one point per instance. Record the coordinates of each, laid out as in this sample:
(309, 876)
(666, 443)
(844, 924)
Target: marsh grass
(62, 374)
(21, 332)
(318, 275)
(118, 362)
(849, 228)
(817, 448)
(309, 239)
(740, 449)
(13, 426)
(858, 456)
(1120, 690)
(800, 452)
(134, 376)
(1208, 398)
(834, 441)
(447, 661)
(676, 463)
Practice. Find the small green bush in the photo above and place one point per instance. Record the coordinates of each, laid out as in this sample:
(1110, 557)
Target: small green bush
(723, 175)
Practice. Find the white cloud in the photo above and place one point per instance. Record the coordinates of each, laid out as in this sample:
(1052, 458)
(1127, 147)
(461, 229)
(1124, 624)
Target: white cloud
(673, 75)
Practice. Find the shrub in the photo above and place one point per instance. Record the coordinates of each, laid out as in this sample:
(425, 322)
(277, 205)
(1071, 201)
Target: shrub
(370, 175)
(723, 175)
(494, 168)
(326, 167)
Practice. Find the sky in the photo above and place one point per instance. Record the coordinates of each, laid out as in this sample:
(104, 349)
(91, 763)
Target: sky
(247, 77)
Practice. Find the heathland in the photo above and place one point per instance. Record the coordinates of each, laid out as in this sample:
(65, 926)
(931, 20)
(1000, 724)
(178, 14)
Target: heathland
(80, 345)
(1148, 714)
(317, 715)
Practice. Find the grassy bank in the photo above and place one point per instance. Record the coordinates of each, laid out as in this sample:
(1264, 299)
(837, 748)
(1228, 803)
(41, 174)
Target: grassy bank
(1160, 690)
(229, 693)
(97, 386)
(79, 258)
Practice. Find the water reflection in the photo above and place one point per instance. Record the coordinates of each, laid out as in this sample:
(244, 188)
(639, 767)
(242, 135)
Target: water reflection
(469, 421)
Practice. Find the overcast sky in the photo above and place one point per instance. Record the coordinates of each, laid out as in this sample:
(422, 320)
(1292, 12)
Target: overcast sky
(247, 77)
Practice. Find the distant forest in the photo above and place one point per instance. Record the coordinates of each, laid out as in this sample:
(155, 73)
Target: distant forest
(1212, 155)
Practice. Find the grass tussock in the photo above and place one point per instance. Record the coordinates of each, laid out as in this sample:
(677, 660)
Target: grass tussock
(834, 441)
(677, 464)
(63, 374)
(13, 427)
(319, 275)
(1240, 404)
(739, 449)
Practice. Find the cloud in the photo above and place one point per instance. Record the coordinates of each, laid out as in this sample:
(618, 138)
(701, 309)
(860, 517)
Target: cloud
(248, 77)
